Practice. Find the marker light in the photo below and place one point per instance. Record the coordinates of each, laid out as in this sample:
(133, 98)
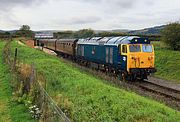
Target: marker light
(150, 58)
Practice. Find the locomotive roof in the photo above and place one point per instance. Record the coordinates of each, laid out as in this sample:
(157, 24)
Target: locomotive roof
(114, 40)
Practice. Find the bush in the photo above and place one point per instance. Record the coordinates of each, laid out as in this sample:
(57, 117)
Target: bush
(171, 35)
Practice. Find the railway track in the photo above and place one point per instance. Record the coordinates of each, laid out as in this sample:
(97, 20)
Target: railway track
(168, 92)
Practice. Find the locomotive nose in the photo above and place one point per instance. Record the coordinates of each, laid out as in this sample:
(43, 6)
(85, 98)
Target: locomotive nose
(141, 61)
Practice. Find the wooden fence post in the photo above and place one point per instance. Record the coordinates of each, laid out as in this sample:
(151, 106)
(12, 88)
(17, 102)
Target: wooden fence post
(15, 58)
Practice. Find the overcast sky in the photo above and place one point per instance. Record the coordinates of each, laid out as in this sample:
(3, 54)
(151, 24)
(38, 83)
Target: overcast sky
(95, 14)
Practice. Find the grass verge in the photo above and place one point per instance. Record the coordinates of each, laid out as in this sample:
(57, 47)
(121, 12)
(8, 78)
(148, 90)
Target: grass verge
(167, 62)
(10, 111)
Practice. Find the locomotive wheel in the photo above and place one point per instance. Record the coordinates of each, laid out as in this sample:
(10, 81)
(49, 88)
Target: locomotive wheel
(132, 77)
(122, 76)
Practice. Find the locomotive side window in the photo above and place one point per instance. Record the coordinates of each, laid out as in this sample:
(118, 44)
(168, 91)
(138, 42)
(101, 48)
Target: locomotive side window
(82, 50)
(124, 49)
(111, 55)
(93, 50)
(107, 55)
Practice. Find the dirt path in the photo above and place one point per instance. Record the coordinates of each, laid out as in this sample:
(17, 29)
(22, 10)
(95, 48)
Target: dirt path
(19, 42)
(46, 50)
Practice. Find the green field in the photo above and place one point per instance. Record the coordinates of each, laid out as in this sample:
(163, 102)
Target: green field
(86, 98)
(10, 111)
(167, 62)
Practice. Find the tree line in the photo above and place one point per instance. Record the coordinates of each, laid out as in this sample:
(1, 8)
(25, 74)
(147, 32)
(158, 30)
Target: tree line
(24, 31)
(85, 33)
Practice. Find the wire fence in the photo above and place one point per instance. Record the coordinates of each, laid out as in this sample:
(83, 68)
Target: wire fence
(25, 82)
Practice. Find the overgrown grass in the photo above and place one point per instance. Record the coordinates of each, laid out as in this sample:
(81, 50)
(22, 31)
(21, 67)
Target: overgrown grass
(86, 98)
(167, 62)
(10, 111)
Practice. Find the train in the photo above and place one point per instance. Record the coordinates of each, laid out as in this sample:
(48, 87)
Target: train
(127, 57)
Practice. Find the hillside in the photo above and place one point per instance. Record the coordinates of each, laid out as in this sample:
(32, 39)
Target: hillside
(148, 31)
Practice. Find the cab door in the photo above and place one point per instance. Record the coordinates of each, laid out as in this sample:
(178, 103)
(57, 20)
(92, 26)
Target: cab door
(123, 56)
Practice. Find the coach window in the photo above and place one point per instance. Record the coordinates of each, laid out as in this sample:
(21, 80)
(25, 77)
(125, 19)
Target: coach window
(124, 49)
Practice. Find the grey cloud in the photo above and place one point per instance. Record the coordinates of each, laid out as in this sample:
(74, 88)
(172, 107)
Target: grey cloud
(85, 20)
(78, 20)
(121, 3)
(105, 3)
(9, 4)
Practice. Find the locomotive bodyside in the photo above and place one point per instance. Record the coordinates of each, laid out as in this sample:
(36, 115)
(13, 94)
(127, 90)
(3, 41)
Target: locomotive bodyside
(119, 55)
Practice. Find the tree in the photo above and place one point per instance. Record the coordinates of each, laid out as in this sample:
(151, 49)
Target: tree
(171, 35)
(25, 28)
(64, 34)
(106, 33)
(84, 33)
(25, 31)
(7, 33)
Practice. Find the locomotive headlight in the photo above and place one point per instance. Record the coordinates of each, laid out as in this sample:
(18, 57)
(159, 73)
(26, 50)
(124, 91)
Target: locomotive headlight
(132, 57)
(150, 57)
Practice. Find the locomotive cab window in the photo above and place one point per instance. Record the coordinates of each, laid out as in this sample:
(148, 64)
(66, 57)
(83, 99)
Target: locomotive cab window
(134, 48)
(147, 48)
